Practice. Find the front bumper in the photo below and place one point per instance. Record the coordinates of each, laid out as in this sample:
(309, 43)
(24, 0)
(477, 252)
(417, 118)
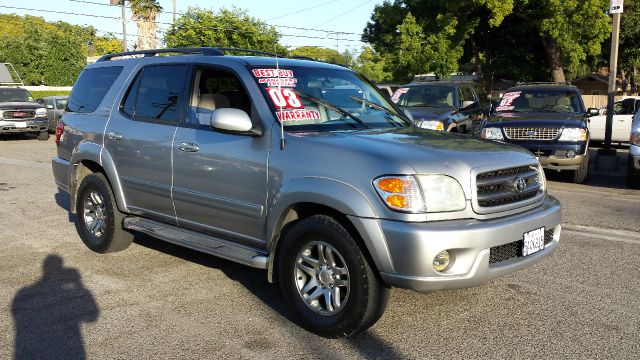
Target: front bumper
(24, 126)
(412, 247)
(62, 170)
(553, 155)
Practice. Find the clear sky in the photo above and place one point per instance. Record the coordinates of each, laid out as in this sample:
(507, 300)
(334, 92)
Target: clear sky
(327, 16)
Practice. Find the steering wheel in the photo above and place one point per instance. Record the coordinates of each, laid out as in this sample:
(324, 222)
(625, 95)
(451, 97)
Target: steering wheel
(562, 108)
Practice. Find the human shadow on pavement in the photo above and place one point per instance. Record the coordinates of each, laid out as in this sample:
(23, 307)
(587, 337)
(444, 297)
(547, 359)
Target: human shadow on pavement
(367, 344)
(49, 313)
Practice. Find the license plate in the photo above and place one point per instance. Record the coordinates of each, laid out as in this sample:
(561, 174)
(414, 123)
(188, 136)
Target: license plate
(533, 241)
(20, 124)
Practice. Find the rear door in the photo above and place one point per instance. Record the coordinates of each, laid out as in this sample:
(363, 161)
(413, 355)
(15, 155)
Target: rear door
(139, 138)
(220, 179)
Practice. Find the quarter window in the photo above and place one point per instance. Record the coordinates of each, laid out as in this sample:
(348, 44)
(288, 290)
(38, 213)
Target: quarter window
(91, 87)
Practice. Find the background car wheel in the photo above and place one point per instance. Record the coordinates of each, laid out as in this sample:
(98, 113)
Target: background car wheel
(633, 175)
(43, 136)
(326, 280)
(99, 221)
(580, 175)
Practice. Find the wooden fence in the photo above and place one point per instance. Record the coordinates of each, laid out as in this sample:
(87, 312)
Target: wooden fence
(597, 101)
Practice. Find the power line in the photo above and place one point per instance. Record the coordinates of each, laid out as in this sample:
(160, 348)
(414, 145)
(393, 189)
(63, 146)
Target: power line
(303, 10)
(59, 12)
(339, 15)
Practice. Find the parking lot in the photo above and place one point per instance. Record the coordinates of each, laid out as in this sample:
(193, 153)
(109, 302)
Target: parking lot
(157, 300)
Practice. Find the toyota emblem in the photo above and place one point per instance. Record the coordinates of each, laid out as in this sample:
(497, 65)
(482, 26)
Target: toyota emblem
(519, 184)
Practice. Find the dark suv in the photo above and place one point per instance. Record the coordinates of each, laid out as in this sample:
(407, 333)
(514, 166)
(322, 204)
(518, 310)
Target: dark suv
(442, 105)
(548, 119)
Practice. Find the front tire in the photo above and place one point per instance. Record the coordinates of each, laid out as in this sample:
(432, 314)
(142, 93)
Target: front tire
(579, 176)
(99, 222)
(326, 280)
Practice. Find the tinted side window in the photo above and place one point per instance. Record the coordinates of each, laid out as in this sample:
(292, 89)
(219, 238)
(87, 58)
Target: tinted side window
(155, 93)
(91, 87)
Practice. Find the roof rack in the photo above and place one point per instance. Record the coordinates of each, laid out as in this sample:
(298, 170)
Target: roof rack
(544, 83)
(209, 51)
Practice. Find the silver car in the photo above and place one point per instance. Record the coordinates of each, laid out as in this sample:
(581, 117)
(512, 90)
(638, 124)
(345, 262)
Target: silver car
(246, 158)
(55, 108)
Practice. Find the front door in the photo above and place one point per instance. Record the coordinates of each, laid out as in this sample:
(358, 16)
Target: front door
(139, 138)
(220, 179)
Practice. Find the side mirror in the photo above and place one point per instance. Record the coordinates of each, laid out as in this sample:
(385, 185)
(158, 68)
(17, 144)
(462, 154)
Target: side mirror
(232, 120)
(467, 104)
(49, 106)
(593, 112)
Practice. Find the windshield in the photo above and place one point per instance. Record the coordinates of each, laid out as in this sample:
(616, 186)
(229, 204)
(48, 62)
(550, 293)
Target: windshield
(541, 100)
(424, 96)
(319, 99)
(15, 95)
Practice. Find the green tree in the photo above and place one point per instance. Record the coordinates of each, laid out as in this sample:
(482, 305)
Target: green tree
(372, 65)
(224, 28)
(145, 13)
(323, 54)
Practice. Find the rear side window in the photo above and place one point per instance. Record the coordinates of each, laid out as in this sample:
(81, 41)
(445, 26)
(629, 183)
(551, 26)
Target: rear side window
(91, 87)
(155, 93)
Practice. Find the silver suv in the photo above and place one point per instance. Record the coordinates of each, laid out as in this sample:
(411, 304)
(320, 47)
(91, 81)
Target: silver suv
(298, 167)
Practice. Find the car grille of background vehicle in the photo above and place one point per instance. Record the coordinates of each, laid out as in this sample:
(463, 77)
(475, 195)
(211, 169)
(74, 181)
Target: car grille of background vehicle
(18, 114)
(499, 187)
(527, 133)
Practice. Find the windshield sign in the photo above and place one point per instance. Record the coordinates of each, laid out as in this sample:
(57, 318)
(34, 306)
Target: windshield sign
(319, 99)
(541, 100)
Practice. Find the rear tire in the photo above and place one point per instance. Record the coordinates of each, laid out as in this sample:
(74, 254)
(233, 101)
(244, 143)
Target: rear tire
(579, 176)
(633, 175)
(99, 222)
(327, 281)
(43, 135)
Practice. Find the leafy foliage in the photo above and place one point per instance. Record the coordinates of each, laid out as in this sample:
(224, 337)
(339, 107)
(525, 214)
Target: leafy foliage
(323, 54)
(224, 28)
(372, 65)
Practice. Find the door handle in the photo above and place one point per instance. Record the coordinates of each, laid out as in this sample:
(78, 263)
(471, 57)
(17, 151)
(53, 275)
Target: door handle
(114, 136)
(188, 147)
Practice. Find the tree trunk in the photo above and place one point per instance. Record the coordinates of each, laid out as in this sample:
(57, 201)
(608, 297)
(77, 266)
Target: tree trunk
(146, 35)
(554, 57)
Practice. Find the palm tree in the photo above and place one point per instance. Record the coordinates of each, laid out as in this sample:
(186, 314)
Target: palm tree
(145, 13)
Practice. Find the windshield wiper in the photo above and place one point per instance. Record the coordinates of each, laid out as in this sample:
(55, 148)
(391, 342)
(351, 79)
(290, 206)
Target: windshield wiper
(330, 106)
(378, 107)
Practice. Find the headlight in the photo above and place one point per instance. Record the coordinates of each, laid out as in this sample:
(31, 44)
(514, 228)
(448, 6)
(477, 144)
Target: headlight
(635, 138)
(442, 193)
(573, 134)
(42, 112)
(430, 124)
(430, 193)
(493, 133)
(542, 179)
(400, 193)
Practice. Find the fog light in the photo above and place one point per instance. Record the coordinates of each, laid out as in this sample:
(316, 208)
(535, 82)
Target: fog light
(571, 154)
(441, 261)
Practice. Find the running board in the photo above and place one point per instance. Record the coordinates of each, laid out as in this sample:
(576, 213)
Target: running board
(200, 242)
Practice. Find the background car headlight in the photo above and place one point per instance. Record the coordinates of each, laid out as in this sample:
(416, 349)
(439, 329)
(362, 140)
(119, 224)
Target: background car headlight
(493, 133)
(42, 112)
(430, 124)
(442, 193)
(635, 138)
(573, 134)
(400, 193)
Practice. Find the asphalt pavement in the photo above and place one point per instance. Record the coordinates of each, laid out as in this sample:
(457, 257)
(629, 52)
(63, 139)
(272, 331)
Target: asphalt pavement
(156, 300)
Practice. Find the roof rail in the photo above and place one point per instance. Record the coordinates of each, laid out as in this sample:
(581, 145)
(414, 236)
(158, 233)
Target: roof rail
(209, 51)
(545, 83)
(256, 52)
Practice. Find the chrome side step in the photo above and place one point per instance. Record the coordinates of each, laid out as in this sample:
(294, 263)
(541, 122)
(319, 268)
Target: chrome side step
(200, 242)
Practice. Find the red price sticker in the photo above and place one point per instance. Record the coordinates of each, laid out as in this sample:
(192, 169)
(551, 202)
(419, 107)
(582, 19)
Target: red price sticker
(284, 98)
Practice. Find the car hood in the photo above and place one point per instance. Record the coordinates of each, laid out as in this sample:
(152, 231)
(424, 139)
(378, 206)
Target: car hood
(20, 105)
(429, 113)
(546, 119)
(423, 151)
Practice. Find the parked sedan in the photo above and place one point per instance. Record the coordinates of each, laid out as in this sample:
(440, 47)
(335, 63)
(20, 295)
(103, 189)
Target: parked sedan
(623, 112)
(55, 108)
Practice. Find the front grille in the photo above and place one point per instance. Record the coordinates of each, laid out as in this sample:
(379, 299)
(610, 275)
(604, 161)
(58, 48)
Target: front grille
(529, 133)
(513, 250)
(508, 186)
(18, 114)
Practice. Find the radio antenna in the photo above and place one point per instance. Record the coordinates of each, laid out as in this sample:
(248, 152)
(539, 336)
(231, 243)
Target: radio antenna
(281, 117)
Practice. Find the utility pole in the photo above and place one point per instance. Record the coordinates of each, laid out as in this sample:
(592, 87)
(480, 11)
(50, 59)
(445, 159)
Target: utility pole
(174, 11)
(616, 10)
(124, 21)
